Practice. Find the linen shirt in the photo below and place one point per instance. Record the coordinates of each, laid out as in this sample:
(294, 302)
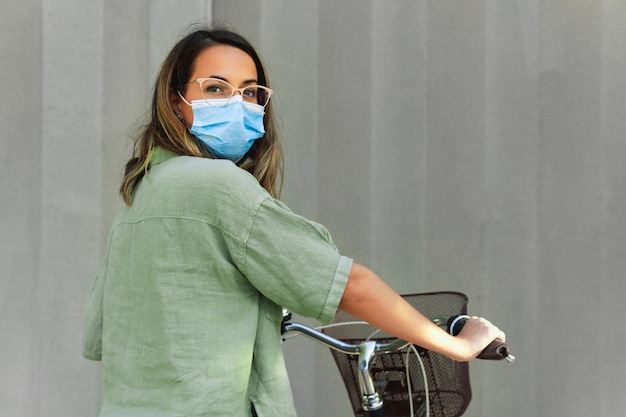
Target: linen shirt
(185, 310)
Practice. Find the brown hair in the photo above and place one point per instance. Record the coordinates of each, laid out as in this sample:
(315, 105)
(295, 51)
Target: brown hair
(164, 129)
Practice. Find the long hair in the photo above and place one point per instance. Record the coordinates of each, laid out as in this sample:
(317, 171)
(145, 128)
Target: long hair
(163, 129)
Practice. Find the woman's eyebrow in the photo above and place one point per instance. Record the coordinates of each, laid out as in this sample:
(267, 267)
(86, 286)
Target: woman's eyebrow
(246, 82)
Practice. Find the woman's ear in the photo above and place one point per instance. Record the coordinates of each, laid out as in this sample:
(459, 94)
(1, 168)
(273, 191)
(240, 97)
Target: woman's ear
(176, 103)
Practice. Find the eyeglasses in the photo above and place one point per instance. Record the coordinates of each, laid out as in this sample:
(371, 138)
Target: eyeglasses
(216, 89)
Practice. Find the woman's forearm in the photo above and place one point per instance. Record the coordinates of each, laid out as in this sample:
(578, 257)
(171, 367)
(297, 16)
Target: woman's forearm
(370, 299)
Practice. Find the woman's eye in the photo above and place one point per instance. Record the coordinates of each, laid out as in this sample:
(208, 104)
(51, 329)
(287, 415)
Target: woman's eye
(249, 92)
(214, 89)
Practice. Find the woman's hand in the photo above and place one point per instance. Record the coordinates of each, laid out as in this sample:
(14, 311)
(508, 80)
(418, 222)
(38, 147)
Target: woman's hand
(476, 334)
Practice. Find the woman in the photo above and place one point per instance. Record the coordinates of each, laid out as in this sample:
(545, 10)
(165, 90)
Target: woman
(185, 310)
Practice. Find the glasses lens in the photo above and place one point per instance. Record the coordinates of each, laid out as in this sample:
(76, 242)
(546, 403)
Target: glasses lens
(213, 88)
(255, 94)
(262, 95)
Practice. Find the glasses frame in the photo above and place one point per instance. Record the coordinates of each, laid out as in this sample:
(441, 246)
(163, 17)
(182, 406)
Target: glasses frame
(233, 90)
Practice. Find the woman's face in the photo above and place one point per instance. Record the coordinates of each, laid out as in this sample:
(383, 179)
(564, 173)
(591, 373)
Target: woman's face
(220, 61)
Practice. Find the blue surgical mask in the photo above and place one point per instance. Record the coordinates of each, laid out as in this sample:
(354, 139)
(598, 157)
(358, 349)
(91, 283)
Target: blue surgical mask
(227, 130)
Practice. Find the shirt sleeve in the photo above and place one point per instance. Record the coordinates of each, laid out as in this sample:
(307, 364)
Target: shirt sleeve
(294, 262)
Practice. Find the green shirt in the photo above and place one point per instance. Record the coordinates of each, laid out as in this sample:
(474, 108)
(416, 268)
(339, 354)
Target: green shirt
(185, 310)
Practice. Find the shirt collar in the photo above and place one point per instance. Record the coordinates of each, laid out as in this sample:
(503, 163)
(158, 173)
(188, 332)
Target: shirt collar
(160, 155)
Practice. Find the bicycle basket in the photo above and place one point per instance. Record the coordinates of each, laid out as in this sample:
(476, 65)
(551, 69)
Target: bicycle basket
(448, 381)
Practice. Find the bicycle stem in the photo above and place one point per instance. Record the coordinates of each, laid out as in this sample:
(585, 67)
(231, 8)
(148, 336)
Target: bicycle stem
(370, 399)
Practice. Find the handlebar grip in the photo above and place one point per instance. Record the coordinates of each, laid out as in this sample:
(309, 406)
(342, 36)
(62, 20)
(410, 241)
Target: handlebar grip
(496, 350)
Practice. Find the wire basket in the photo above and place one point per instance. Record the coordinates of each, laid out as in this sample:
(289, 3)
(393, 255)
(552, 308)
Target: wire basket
(449, 390)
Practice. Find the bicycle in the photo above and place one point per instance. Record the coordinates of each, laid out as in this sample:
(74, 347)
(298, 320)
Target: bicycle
(378, 369)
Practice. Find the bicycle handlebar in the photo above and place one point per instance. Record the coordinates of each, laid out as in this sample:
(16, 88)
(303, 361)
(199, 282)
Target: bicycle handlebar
(338, 345)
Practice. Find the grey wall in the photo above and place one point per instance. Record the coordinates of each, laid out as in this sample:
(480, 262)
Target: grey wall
(472, 146)
(75, 77)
